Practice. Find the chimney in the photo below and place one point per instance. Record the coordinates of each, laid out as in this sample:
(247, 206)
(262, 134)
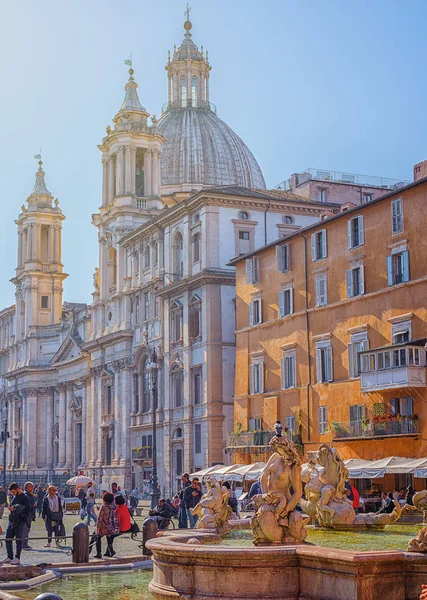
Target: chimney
(420, 170)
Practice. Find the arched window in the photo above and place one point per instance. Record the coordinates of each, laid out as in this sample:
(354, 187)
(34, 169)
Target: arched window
(146, 385)
(194, 91)
(139, 173)
(178, 256)
(177, 385)
(147, 257)
(112, 268)
(177, 434)
(183, 91)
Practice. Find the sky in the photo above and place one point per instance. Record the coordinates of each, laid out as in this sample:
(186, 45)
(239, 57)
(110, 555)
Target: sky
(306, 83)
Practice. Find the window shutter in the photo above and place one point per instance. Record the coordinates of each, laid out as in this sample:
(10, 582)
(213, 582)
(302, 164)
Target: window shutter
(405, 265)
(390, 270)
(353, 413)
(259, 310)
(393, 217)
(281, 303)
(251, 379)
(279, 259)
(261, 376)
(323, 292)
(349, 233)
(361, 230)
(255, 277)
(324, 244)
(291, 301)
(249, 270)
(362, 279)
(287, 257)
(313, 246)
(351, 360)
(251, 313)
(349, 283)
(318, 365)
(330, 364)
(283, 367)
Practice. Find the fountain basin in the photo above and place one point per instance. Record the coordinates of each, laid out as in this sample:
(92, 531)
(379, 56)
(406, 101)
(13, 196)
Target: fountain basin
(303, 572)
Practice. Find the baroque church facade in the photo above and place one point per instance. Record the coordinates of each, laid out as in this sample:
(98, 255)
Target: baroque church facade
(181, 196)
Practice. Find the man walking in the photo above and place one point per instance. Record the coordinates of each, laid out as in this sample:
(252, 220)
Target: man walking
(192, 495)
(3, 501)
(28, 491)
(182, 515)
(19, 513)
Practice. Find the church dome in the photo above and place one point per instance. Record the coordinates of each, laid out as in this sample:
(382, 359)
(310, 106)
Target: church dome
(201, 149)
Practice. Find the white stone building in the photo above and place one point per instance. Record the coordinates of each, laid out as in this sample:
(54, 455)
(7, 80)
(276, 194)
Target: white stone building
(181, 196)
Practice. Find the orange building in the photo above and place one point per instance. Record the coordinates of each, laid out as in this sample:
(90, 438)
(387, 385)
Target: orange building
(331, 332)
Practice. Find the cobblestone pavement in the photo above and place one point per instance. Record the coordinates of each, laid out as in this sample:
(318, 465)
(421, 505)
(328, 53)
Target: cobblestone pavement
(123, 545)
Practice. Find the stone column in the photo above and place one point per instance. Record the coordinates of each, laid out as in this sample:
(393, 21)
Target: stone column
(128, 170)
(189, 86)
(111, 191)
(97, 429)
(117, 412)
(31, 427)
(50, 254)
(12, 427)
(37, 241)
(62, 424)
(69, 429)
(147, 173)
(207, 88)
(58, 249)
(85, 397)
(127, 402)
(133, 169)
(50, 403)
(169, 89)
(156, 172)
(119, 172)
(30, 242)
(104, 182)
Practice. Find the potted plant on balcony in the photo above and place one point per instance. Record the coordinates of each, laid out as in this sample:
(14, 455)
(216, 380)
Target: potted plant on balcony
(366, 423)
(338, 430)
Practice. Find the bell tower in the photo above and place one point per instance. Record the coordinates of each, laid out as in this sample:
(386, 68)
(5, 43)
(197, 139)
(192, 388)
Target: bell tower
(39, 274)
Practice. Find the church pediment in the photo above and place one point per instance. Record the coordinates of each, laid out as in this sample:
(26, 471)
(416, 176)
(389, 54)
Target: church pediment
(68, 350)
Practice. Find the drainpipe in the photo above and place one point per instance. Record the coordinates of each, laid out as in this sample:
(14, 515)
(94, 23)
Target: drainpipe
(307, 328)
(265, 221)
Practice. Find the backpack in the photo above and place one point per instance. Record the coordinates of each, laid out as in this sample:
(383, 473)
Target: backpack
(113, 523)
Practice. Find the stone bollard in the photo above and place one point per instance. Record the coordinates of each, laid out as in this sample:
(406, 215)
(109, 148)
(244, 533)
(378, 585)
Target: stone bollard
(80, 543)
(149, 531)
(48, 596)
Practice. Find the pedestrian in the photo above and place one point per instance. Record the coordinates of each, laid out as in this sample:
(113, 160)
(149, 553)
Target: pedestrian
(83, 499)
(41, 493)
(163, 513)
(182, 515)
(192, 496)
(90, 489)
(19, 512)
(410, 492)
(255, 489)
(123, 514)
(53, 515)
(356, 500)
(107, 525)
(32, 499)
(175, 502)
(389, 504)
(134, 498)
(3, 501)
(90, 509)
(115, 489)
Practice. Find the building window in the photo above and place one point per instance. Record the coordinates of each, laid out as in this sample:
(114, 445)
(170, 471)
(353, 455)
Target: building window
(321, 291)
(354, 279)
(318, 245)
(401, 332)
(197, 386)
(183, 82)
(45, 302)
(194, 90)
(244, 235)
(366, 198)
(398, 268)
(195, 317)
(176, 321)
(356, 235)
(397, 216)
(282, 258)
(157, 308)
(255, 316)
(178, 257)
(257, 376)
(322, 195)
(357, 414)
(359, 343)
(196, 218)
(136, 380)
(177, 386)
(243, 241)
(147, 304)
(109, 401)
(324, 365)
(137, 310)
(178, 462)
(323, 419)
(147, 257)
(289, 369)
(196, 247)
(402, 406)
(252, 270)
(288, 220)
(197, 438)
(244, 215)
(290, 426)
(286, 301)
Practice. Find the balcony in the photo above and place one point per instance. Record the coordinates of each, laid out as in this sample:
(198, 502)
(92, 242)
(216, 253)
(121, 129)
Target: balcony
(142, 455)
(249, 438)
(377, 427)
(392, 367)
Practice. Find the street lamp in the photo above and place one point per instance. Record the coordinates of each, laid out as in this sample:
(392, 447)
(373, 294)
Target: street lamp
(4, 412)
(155, 491)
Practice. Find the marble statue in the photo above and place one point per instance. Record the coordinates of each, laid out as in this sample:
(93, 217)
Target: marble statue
(97, 279)
(326, 499)
(419, 543)
(213, 509)
(276, 521)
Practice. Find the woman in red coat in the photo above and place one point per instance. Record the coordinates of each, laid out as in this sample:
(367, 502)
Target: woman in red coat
(123, 514)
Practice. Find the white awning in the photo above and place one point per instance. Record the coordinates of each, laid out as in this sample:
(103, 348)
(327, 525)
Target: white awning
(232, 472)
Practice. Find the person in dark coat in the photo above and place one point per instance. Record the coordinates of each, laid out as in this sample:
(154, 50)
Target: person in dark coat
(192, 496)
(53, 515)
(32, 499)
(255, 489)
(163, 512)
(389, 504)
(182, 515)
(410, 493)
(19, 513)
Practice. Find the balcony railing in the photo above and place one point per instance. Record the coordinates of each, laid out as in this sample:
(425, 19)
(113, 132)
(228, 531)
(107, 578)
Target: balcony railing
(144, 453)
(189, 104)
(385, 426)
(400, 365)
(341, 177)
(250, 438)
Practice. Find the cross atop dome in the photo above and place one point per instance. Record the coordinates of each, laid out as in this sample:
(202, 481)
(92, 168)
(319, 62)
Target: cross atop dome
(131, 103)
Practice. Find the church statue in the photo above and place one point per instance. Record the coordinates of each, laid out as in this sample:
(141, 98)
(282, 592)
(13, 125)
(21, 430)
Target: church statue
(213, 509)
(326, 498)
(419, 543)
(276, 521)
(96, 279)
